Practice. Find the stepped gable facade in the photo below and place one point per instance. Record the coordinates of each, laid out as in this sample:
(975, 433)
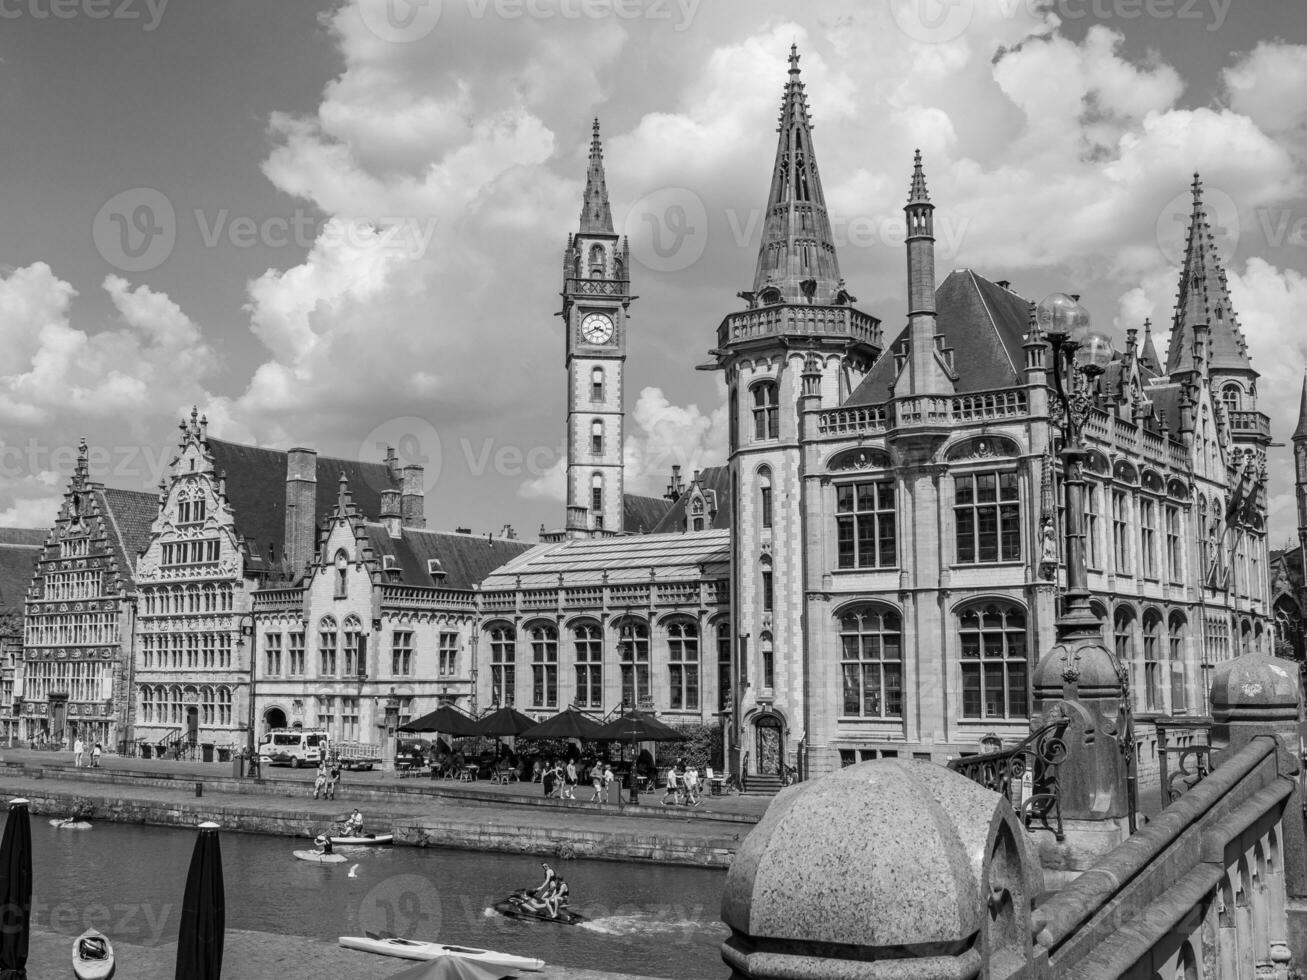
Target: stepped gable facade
(384, 619)
(20, 548)
(75, 675)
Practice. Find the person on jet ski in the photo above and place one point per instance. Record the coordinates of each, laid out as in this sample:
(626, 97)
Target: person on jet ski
(545, 886)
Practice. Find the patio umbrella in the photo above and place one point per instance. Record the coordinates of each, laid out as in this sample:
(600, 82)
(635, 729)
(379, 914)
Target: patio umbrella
(199, 941)
(446, 719)
(506, 721)
(638, 726)
(15, 892)
(452, 968)
(569, 723)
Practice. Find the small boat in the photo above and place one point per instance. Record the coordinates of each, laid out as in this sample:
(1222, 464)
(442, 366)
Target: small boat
(412, 949)
(362, 841)
(68, 823)
(92, 956)
(519, 906)
(320, 858)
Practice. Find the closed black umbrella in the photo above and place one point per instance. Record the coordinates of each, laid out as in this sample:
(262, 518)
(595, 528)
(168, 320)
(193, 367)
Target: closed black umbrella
(506, 721)
(446, 719)
(569, 723)
(15, 892)
(204, 911)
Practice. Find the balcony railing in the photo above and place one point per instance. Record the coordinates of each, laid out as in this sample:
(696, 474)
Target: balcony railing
(598, 287)
(933, 410)
(411, 595)
(776, 321)
(1005, 771)
(1250, 423)
(279, 600)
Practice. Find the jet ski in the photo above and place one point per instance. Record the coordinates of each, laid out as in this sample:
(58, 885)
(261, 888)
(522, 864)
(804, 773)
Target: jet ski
(522, 905)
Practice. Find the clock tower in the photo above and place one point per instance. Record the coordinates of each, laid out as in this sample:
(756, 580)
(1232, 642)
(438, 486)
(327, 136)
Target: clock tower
(596, 294)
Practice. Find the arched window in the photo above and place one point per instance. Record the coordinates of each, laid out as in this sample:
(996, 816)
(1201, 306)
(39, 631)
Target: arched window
(995, 668)
(766, 411)
(342, 574)
(147, 704)
(767, 660)
(224, 706)
(764, 497)
(767, 586)
(1153, 661)
(1123, 645)
(697, 514)
(1204, 552)
(871, 661)
(596, 261)
(597, 384)
(734, 424)
(327, 641)
(544, 665)
(683, 665)
(587, 641)
(503, 664)
(633, 659)
(353, 648)
(597, 437)
(724, 683)
(597, 491)
(1231, 397)
(1175, 630)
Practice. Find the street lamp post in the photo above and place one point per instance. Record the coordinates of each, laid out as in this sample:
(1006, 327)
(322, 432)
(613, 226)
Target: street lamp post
(246, 626)
(1079, 355)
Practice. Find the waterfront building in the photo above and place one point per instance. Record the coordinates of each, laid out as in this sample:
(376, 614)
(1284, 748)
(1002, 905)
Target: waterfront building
(230, 520)
(80, 617)
(385, 619)
(894, 512)
(19, 550)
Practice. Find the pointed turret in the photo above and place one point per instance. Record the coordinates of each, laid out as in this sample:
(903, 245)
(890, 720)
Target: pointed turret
(1300, 433)
(796, 259)
(1204, 300)
(596, 215)
(1148, 355)
(925, 370)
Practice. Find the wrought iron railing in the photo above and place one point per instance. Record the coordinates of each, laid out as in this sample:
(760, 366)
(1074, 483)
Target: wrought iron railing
(1183, 754)
(1038, 756)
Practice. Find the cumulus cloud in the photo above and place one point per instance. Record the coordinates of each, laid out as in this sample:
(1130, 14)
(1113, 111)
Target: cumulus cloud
(1267, 86)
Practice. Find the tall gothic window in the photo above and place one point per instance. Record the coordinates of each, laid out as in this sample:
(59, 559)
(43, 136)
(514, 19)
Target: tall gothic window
(1093, 507)
(1148, 537)
(866, 524)
(633, 659)
(1174, 554)
(597, 492)
(723, 665)
(1123, 645)
(766, 417)
(1121, 532)
(1153, 662)
(994, 661)
(588, 644)
(327, 646)
(1175, 654)
(764, 497)
(871, 662)
(355, 661)
(683, 665)
(987, 515)
(503, 664)
(544, 666)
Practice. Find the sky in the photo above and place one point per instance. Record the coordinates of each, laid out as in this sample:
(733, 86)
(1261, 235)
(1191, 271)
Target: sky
(341, 224)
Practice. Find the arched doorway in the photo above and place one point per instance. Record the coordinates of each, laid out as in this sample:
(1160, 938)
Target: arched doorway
(768, 737)
(274, 718)
(192, 724)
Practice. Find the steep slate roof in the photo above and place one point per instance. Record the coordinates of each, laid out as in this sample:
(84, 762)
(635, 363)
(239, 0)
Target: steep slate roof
(20, 548)
(985, 325)
(256, 488)
(640, 515)
(714, 478)
(466, 558)
(128, 515)
(585, 561)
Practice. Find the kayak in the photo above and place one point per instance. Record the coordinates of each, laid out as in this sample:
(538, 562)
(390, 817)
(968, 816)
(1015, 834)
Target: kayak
(68, 823)
(515, 907)
(92, 956)
(361, 841)
(412, 949)
(320, 858)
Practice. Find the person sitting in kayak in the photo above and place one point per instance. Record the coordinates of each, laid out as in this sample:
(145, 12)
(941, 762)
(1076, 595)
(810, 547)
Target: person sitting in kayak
(324, 844)
(354, 825)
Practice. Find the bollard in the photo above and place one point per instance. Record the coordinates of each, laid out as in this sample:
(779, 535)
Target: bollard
(199, 789)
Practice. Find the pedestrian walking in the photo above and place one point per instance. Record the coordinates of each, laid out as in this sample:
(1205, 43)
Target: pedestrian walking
(673, 795)
(569, 780)
(79, 748)
(95, 756)
(691, 780)
(608, 781)
(597, 782)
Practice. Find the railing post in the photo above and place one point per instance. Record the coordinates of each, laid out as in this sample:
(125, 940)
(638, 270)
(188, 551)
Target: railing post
(1256, 695)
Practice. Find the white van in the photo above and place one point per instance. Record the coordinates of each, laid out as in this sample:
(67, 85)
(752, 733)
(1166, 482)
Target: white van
(294, 748)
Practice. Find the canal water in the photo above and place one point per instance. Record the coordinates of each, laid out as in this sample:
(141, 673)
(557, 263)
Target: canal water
(128, 881)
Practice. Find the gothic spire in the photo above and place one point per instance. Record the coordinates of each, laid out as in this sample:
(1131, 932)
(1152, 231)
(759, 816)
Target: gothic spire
(796, 259)
(596, 215)
(1148, 356)
(918, 193)
(1301, 431)
(1204, 300)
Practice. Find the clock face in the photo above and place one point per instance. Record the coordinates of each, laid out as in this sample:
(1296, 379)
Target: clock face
(597, 328)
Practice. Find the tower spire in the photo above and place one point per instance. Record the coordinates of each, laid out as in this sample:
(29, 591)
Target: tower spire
(796, 259)
(1300, 433)
(596, 215)
(1148, 354)
(1204, 300)
(918, 193)
(926, 373)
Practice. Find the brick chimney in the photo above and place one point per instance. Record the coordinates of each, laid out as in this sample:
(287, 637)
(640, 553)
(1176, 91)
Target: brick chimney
(301, 507)
(412, 503)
